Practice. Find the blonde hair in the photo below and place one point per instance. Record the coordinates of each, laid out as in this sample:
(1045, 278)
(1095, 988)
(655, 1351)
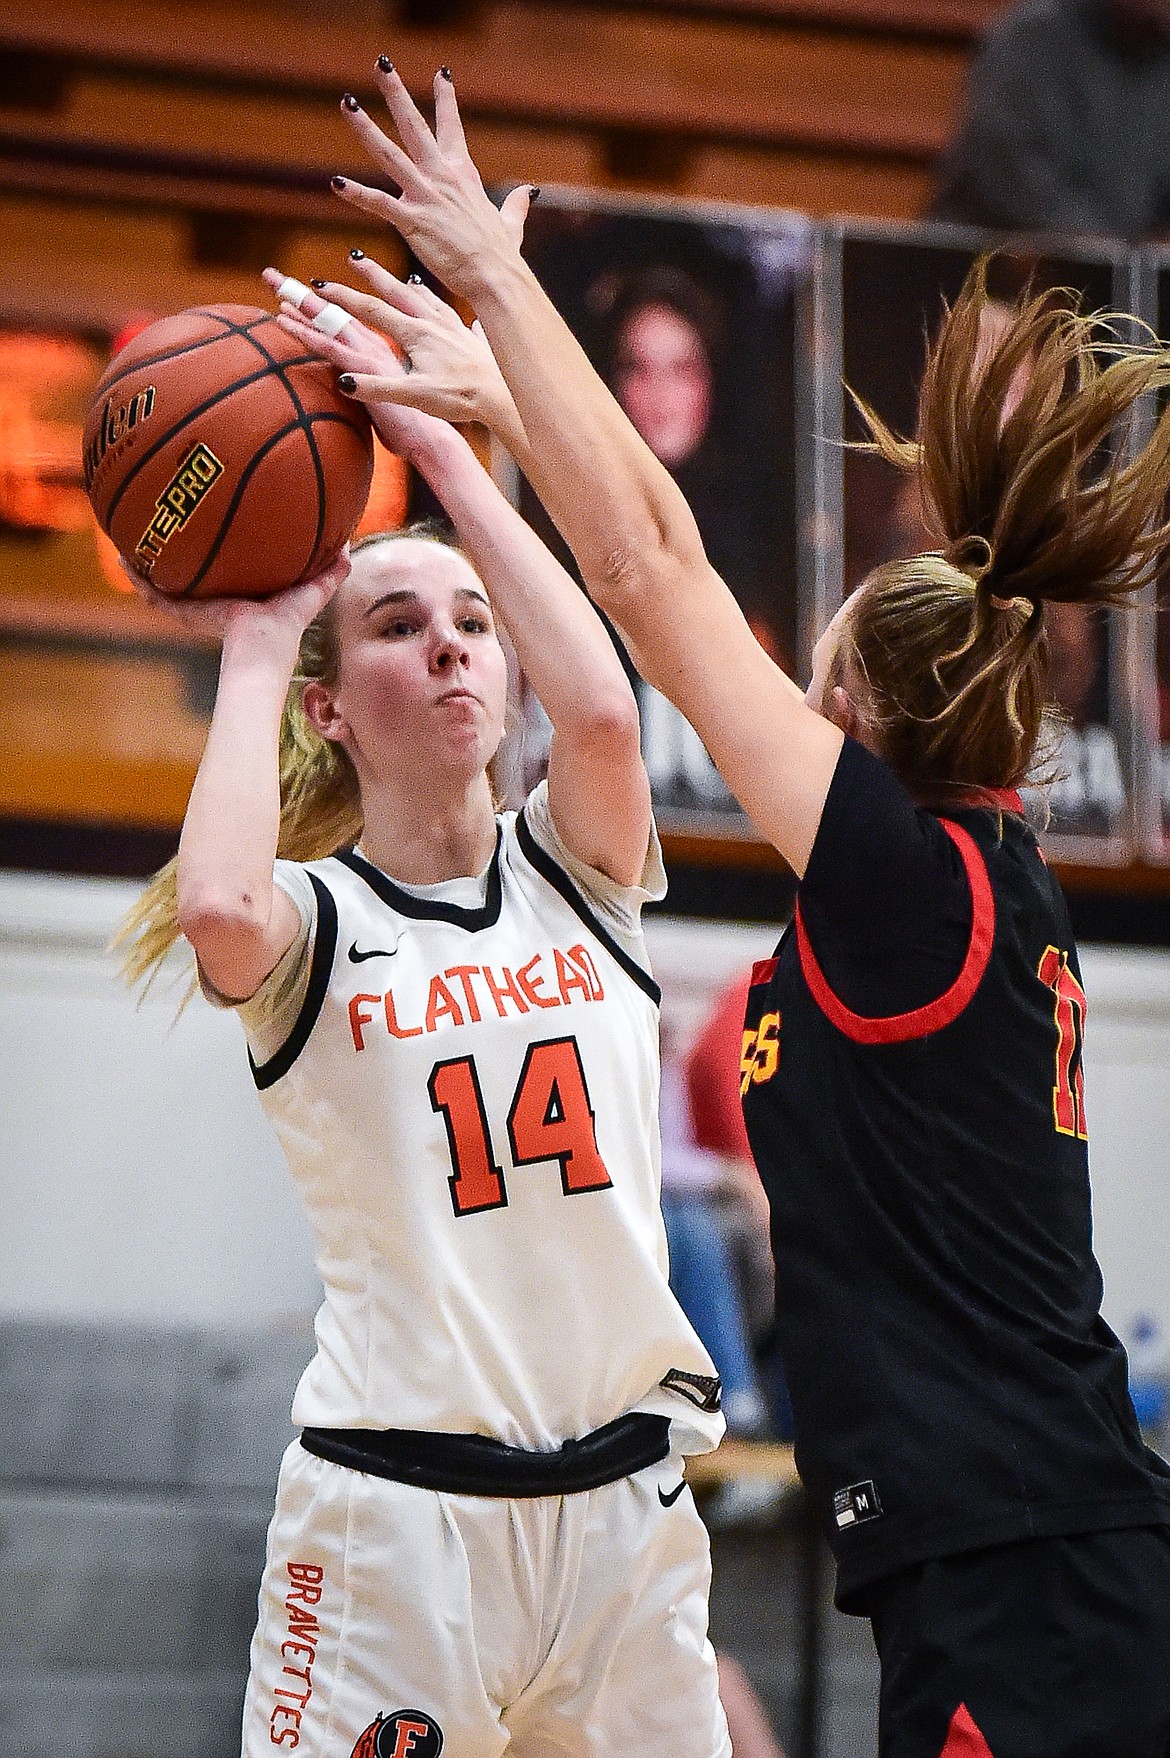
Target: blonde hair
(1021, 461)
(320, 797)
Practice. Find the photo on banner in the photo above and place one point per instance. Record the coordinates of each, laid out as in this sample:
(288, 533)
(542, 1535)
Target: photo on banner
(893, 286)
(691, 318)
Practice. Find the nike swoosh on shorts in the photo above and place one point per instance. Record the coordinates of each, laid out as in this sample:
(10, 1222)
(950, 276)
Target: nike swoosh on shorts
(669, 1501)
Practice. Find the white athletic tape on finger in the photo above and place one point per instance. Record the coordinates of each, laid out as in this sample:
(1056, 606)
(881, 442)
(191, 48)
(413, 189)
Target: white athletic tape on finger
(294, 291)
(331, 319)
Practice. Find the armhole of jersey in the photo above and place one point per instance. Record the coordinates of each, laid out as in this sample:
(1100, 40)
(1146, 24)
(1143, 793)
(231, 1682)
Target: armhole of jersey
(560, 881)
(320, 970)
(898, 1028)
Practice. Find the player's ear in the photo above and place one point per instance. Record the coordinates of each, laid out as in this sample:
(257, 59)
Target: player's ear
(322, 712)
(844, 712)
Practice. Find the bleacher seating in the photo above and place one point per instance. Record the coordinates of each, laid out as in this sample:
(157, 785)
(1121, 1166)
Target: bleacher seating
(137, 1470)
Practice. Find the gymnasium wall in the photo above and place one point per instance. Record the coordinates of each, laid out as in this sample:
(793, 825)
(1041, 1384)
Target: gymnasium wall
(141, 1181)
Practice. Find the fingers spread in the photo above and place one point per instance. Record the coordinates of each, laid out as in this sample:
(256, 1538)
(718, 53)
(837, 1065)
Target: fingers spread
(413, 132)
(399, 325)
(448, 122)
(514, 212)
(383, 150)
(412, 297)
(370, 201)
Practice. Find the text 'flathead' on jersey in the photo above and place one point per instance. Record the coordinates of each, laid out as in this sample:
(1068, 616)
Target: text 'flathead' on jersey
(544, 981)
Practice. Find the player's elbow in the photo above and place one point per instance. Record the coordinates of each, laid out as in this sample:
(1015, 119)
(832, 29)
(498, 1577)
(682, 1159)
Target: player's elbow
(641, 578)
(214, 916)
(610, 727)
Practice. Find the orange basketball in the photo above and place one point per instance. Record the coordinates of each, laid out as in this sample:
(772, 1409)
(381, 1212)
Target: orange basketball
(221, 458)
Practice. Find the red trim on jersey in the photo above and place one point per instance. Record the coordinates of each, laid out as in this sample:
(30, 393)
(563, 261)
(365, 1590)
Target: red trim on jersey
(963, 1737)
(897, 1028)
(763, 971)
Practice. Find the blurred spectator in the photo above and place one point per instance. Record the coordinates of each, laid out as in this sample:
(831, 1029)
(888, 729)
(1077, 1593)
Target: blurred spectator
(702, 1272)
(712, 1077)
(712, 1070)
(1064, 128)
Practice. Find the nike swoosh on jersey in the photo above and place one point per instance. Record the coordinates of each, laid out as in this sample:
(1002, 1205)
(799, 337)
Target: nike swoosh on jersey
(669, 1501)
(356, 957)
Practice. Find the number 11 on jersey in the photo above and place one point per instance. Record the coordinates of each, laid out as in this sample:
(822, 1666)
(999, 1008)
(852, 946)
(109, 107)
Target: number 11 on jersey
(550, 1118)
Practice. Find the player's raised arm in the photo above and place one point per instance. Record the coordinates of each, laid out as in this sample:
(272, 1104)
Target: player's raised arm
(599, 795)
(237, 921)
(628, 525)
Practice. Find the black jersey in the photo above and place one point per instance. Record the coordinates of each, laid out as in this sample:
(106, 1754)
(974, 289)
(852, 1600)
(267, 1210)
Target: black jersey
(914, 1097)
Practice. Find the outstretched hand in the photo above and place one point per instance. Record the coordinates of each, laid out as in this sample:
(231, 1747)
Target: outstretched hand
(406, 355)
(444, 213)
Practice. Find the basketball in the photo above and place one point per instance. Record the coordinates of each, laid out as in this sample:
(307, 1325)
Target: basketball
(221, 458)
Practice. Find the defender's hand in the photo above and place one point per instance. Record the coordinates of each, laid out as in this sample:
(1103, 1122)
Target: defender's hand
(443, 212)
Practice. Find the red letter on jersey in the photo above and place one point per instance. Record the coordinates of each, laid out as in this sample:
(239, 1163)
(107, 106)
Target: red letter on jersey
(532, 985)
(358, 1019)
(392, 1025)
(551, 1117)
(477, 1182)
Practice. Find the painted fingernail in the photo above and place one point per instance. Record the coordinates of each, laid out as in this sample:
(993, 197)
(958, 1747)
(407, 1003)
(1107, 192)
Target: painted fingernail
(350, 102)
(357, 255)
(414, 280)
(317, 282)
(337, 182)
(385, 65)
(446, 72)
(534, 192)
(347, 383)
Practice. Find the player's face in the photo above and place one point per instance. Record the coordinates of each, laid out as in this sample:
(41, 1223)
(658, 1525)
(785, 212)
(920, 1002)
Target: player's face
(422, 680)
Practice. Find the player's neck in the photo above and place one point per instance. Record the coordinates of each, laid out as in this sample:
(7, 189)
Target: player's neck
(425, 839)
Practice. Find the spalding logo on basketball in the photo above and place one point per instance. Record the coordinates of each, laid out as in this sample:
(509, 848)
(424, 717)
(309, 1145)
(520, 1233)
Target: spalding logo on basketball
(407, 1733)
(221, 458)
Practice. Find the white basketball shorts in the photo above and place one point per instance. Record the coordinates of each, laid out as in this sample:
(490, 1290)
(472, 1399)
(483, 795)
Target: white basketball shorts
(398, 1622)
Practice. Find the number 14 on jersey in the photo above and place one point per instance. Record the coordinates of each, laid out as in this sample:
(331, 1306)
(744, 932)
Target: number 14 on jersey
(550, 1118)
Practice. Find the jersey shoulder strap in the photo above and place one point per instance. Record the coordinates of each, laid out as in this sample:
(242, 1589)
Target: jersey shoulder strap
(555, 875)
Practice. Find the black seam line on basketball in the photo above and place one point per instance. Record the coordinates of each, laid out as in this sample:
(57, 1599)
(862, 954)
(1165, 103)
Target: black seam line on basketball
(560, 881)
(246, 476)
(191, 415)
(311, 440)
(313, 565)
(175, 353)
(320, 970)
(238, 495)
(431, 909)
(277, 370)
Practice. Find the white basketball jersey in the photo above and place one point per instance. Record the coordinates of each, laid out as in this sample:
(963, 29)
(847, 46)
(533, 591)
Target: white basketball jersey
(468, 1101)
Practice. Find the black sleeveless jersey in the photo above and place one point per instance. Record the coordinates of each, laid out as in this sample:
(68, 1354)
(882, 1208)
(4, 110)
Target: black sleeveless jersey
(914, 1096)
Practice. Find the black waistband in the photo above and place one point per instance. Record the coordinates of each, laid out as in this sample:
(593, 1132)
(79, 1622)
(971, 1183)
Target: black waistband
(476, 1465)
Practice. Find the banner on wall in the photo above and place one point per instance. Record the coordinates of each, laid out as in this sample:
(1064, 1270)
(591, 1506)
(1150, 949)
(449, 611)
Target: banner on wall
(691, 317)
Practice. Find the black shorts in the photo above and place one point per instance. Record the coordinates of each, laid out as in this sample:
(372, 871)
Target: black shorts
(1047, 1648)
